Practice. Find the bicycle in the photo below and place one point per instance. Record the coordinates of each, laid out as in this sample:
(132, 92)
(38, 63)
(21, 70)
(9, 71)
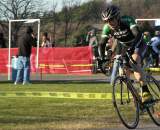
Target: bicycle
(127, 98)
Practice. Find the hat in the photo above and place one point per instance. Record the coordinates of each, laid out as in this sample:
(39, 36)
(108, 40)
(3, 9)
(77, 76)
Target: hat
(29, 29)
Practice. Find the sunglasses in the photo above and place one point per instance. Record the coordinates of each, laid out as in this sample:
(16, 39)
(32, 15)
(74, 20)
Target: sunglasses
(110, 20)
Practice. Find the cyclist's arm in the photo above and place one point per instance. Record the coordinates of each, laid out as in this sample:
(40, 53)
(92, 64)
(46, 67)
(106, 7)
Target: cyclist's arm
(103, 41)
(105, 34)
(135, 31)
(102, 46)
(138, 36)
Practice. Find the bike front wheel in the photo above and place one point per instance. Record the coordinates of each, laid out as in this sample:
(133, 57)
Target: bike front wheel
(125, 103)
(154, 109)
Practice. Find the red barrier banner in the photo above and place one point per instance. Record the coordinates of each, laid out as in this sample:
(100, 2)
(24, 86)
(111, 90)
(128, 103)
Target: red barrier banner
(76, 60)
(4, 58)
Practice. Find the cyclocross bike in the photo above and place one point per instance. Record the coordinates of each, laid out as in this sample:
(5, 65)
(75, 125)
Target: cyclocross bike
(127, 96)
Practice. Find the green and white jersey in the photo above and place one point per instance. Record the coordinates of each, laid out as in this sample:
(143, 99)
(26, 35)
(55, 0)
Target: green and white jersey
(123, 33)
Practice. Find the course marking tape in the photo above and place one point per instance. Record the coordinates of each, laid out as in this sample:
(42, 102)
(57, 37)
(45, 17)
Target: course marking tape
(62, 65)
(153, 69)
(67, 95)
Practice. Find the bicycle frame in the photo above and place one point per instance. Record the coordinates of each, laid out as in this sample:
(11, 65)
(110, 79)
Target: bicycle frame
(118, 64)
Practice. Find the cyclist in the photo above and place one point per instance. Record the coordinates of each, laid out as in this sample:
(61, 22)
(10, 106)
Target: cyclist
(129, 38)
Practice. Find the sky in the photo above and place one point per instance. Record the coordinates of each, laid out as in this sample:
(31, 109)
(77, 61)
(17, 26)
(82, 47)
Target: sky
(59, 3)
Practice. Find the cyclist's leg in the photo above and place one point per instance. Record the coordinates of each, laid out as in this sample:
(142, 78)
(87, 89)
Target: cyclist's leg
(138, 73)
(140, 76)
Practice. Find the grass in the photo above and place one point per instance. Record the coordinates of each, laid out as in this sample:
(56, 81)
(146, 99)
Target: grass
(60, 87)
(26, 113)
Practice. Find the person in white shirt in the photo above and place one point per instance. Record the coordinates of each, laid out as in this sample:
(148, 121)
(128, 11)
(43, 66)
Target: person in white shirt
(46, 41)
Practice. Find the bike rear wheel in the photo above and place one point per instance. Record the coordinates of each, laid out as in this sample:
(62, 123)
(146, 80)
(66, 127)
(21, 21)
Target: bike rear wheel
(125, 103)
(154, 110)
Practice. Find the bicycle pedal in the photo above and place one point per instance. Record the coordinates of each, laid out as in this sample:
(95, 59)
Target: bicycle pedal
(144, 107)
(149, 104)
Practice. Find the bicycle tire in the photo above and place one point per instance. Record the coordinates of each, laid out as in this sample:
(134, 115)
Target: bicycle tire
(132, 107)
(154, 110)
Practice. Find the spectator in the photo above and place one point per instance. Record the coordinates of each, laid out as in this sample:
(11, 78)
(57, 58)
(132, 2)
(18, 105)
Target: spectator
(2, 41)
(155, 43)
(81, 40)
(93, 41)
(25, 44)
(146, 37)
(147, 57)
(45, 40)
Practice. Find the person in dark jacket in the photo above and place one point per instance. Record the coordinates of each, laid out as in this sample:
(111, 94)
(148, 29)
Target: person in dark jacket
(2, 41)
(24, 51)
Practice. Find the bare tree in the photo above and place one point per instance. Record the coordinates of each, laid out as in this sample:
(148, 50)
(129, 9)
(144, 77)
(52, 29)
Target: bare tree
(68, 16)
(83, 16)
(54, 20)
(139, 8)
(17, 9)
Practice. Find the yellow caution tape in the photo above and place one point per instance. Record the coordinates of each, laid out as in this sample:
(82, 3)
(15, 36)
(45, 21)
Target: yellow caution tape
(67, 95)
(82, 65)
(51, 65)
(62, 65)
(153, 69)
